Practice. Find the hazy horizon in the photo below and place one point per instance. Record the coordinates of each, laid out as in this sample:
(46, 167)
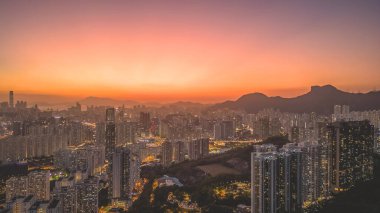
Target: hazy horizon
(196, 50)
(51, 99)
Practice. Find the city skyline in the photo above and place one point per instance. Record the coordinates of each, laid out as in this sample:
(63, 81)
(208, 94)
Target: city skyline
(171, 51)
(60, 101)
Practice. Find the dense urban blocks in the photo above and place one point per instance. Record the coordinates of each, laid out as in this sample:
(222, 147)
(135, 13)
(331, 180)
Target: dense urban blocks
(149, 159)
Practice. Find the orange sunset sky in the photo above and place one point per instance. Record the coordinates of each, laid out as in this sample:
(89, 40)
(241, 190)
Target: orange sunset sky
(187, 50)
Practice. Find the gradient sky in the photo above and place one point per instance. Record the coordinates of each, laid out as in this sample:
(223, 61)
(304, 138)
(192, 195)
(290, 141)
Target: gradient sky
(187, 50)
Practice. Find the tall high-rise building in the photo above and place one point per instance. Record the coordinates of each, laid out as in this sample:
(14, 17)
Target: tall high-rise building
(87, 158)
(39, 184)
(199, 148)
(290, 179)
(224, 130)
(155, 126)
(125, 173)
(352, 145)
(261, 127)
(167, 153)
(341, 113)
(131, 130)
(205, 147)
(145, 121)
(11, 100)
(120, 173)
(75, 133)
(179, 151)
(274, 127)
(87, 195)
(100, 133)
(325, 159)
(276, 179)
(126, 132)
(311, 179)
(218, 131)
(110, 133)
(110, 145)
(295, 134)
(263, 182)
(337, 113)
(345, 110)
(337, 109)
(67, 198)
(15, 187)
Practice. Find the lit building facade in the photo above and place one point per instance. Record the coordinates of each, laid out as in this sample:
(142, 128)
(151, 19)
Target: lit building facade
(87, 195)
(198, 148)
(39, 184)
(276, 179)
(167, 153)
(352, 145)
(15, 187)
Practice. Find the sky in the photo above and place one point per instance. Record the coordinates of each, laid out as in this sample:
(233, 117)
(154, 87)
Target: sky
(194, 50)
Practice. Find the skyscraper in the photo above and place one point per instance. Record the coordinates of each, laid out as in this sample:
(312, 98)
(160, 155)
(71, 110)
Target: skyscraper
(290, 179)
(224, 130)
(75, 133)
(179, 151)
(126, 132)
(11, 101)
(352, 145)
(199, 148)
(110, 145)
(167, 153)
(120, 173)
(276, 179)
(311, 179)
(295, 134)
(110, 133)
(345, 110)
(39, 184)
(263, 182)
(131, 129)
(100, 133)
(261, 127)
(15, 187)
(337, 109)
(145, 121)
(87, 195)
(67, 198)
(325, 161)
(125, 172)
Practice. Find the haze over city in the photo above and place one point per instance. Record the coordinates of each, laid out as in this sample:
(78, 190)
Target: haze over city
(205, 51)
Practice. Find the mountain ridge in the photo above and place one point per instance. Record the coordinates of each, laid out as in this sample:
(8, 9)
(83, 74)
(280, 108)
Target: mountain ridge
(320, 99)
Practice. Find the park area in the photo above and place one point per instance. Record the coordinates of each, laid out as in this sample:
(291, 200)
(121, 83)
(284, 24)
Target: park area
(218, 169)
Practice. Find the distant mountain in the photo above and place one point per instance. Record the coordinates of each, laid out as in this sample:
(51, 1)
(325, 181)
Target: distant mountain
(321, 99)
(186, 104)
(97, 101)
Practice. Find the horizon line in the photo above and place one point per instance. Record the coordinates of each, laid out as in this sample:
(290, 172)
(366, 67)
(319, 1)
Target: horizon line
(174, 100)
